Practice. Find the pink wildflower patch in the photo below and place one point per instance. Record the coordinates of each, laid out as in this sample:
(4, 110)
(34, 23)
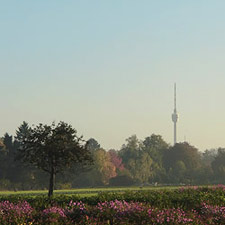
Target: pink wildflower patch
(54, 210)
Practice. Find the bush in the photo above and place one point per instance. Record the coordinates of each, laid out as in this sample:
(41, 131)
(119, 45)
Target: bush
(113, 212)
(122, 180)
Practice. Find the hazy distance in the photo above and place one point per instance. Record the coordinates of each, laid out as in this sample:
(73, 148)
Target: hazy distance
(108, 68)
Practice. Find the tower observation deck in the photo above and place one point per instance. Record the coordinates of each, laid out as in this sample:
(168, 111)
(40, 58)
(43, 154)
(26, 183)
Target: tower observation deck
(175, 116)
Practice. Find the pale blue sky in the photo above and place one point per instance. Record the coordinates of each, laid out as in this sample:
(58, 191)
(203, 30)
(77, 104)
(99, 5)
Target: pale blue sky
(108, 67)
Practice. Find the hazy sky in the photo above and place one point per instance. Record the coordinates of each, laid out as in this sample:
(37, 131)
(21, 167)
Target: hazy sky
(108, 67)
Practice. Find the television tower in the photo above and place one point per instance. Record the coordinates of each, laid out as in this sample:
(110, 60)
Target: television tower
(175, 116)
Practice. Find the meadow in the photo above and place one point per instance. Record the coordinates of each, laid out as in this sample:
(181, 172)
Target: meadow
(147, 205)
(88, 191)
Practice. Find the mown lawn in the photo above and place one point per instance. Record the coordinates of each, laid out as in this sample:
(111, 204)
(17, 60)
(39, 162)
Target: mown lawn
(87, 191)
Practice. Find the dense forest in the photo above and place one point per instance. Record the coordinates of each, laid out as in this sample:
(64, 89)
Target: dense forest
(151, 161)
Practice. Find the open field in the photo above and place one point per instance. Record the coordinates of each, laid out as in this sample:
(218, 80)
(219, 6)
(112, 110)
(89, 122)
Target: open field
(88, 191)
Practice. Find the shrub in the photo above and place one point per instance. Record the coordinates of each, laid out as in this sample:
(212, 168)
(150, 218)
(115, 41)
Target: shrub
(19, 213)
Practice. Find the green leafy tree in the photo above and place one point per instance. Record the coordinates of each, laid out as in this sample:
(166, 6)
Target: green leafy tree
(23, 132)
(205, 175)
(189, 157)
(131, 149)
(27, 175)
(155, 146)
(3, 161)
(218, 166)
(92, 145)
(208, 156)
(137, 161)
(179, 172)
(9, 164)
(52, 148)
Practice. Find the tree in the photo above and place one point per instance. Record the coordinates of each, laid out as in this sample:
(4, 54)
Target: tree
(2, 146)
(137, 161)
(156, 142)
(23, 132)
(208, 156)
(155, 146)
(189, 156)
(3, 162)
(8, 142)
(9, 164)
(218, 166)
(140, 168)
(178, 172)
(103, 167)
(100, 172)
(131, 149)
(121, 180)
(116, 160)
(51, 148)
(92, 145)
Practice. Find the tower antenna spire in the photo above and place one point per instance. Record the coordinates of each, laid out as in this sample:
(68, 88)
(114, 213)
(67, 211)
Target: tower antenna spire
(175, 116)
(175, 98)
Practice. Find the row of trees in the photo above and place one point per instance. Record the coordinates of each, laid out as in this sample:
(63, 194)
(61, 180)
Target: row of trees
(34, 152)
(52, 149)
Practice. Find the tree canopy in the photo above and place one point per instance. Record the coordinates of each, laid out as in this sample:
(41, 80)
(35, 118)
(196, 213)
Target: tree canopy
(51, 148)
(59, 151)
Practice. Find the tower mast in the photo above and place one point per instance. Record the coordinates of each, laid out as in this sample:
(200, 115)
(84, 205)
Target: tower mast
(175, 116)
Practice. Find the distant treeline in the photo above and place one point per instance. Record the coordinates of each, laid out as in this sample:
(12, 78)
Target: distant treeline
(139, 162)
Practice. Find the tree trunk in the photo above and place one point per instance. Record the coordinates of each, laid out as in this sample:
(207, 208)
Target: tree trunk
(51, 182)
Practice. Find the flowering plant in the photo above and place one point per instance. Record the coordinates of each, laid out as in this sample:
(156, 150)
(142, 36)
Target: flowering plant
(15, 213)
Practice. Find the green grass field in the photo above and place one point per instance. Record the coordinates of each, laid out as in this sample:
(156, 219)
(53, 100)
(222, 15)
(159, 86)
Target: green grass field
(85, 191)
